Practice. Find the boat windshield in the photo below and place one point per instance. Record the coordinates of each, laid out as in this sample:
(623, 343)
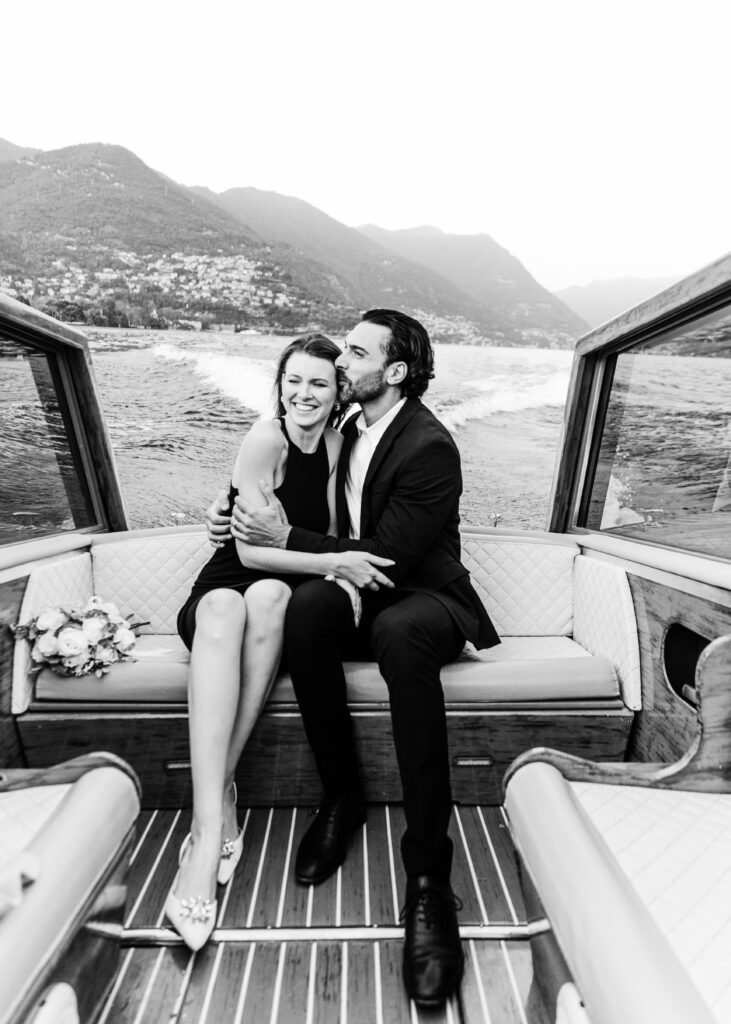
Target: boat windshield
(662, 469)
(42, 489)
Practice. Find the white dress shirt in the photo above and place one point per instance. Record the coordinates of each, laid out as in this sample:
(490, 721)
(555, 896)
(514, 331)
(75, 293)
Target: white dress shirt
(360, 459)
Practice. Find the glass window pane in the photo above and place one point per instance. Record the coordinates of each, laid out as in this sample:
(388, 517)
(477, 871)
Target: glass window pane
(41, 489)
(664, 466)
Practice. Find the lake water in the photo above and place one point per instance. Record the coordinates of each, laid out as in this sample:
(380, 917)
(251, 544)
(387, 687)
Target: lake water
(177, 405)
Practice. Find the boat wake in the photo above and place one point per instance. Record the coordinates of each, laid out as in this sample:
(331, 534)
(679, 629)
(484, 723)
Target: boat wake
(248, 381)
(501, 394)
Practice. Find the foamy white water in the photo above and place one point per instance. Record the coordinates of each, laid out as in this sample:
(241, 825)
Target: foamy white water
(248, 381)
(197, 395)
(501, 394)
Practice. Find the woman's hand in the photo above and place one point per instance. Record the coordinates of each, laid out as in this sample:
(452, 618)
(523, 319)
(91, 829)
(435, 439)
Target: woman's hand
(361, 569)
(218, 524)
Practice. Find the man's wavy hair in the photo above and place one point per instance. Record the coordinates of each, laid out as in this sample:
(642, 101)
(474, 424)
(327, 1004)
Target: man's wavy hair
(409, 343)
(321, 347)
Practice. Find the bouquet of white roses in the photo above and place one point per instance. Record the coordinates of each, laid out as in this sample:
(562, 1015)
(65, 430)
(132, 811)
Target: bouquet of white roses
(77, 643)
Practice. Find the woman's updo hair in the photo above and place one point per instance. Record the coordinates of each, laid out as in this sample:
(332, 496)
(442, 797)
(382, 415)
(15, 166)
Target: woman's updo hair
(321, 347)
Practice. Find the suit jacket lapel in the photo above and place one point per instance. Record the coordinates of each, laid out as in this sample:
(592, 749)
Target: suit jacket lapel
(341, 504)
(403, 418)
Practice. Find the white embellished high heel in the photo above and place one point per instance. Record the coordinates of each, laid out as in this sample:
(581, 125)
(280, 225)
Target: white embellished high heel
(231, 850)
(193, 917)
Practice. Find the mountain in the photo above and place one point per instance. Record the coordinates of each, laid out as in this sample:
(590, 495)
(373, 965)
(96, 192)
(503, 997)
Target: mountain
(104, 197)
(93, 225)
(90, 232)
(9, 151)
(603, 300)
(488, 273)
(367, 274)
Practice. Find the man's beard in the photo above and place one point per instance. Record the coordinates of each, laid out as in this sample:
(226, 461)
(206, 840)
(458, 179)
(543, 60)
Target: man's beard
(368, 388)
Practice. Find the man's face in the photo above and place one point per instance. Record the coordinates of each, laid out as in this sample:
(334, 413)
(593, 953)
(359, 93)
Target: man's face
(363, 362)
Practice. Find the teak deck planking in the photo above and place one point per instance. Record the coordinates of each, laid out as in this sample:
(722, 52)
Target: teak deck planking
(330, 953)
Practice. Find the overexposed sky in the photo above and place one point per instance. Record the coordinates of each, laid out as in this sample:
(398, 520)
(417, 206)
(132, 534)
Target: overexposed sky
(588, 137)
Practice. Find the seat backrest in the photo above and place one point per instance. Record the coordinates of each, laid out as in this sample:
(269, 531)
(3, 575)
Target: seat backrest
(150, 576)
(66, 581)
(525, 583)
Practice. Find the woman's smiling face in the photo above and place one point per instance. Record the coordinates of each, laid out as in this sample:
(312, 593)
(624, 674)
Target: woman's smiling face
(309, 389)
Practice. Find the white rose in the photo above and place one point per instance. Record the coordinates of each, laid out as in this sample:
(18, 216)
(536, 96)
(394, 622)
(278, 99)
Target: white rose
(112, 611)
(50, 620)
(106, 655)
(77, 660)
(72, 642)
(93, 604)
(36, 654)
(124, 640)
(93, 629)
(47, 644)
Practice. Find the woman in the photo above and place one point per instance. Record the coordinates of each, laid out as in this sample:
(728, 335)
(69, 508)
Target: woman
(233, 621)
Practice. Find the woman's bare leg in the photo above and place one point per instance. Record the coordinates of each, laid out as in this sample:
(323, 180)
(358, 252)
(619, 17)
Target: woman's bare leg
(266, 605)
(214, 684)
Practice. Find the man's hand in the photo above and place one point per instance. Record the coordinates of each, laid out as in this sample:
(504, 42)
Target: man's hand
(362, 569)
(217, 523)
(262, 527)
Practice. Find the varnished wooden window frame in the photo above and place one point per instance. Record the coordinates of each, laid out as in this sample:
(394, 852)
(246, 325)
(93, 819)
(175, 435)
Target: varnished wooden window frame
(71, 374)
(593, 377)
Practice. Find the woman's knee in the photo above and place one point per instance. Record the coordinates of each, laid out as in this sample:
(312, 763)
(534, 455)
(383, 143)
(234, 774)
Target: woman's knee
(220, 613)
(267, 600)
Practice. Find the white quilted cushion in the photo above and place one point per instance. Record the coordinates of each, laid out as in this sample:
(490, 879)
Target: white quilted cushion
(519, 669)
(526, 585)
(605, 623)
(150, 577)
(526, 648)
(65, 581)
(22, 812)
(675, 848)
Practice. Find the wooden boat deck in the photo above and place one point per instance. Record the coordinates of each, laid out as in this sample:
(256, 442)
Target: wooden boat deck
(282, 953)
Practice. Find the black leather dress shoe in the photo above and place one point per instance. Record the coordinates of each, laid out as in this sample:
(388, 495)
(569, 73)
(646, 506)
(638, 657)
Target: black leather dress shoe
(325, 843)
(433, 957)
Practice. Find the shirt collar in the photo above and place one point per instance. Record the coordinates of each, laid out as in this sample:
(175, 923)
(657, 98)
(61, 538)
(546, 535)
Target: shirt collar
(375, 432)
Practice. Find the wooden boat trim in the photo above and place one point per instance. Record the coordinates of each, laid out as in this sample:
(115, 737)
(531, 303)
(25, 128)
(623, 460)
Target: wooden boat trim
(110, 709)
(687, 564)
(35, 325)
(705, 767)
(702, 292)
(344, 933)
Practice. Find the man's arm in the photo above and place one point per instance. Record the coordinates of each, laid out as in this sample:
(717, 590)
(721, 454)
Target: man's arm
(424, 493)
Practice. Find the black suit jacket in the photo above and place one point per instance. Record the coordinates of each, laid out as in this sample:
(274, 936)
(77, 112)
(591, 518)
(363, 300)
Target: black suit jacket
(410, 513)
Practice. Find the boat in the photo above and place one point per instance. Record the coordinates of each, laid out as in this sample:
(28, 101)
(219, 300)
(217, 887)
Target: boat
(590, 751)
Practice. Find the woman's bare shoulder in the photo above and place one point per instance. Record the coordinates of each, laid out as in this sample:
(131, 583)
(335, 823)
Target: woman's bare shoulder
(264, 435)
(261, 451)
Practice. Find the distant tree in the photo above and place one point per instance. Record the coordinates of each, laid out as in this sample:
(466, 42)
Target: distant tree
(207, 321)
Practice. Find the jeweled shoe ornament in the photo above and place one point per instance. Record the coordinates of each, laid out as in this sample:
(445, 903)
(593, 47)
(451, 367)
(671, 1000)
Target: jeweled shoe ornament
(197, 909)
(228, 848)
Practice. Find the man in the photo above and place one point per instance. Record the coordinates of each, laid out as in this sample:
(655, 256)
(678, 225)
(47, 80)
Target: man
(397, 495)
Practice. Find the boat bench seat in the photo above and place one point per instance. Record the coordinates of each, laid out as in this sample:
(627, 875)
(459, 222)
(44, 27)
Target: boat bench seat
(567, 623)
(67, 831)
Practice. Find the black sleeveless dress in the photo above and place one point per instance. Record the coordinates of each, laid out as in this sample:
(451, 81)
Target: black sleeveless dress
(303, 494)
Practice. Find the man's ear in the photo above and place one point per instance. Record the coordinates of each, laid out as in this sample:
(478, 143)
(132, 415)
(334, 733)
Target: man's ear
(396, 373)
